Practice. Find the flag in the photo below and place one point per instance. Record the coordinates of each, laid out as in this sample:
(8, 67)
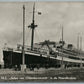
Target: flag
(39, 13)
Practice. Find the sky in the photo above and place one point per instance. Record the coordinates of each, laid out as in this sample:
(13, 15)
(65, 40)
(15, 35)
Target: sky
(55, 15)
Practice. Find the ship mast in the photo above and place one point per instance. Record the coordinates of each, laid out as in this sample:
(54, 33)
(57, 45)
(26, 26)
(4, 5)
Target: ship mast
(32, 26)
(62, 48)
(23, 66)
(79, 46)
(78, 43)
(23, 53)
(80, 51)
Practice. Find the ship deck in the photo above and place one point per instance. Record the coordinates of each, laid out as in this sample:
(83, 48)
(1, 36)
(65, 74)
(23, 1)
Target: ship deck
(65, 58)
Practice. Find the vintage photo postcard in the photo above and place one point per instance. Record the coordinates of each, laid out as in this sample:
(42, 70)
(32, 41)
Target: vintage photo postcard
(42, 41)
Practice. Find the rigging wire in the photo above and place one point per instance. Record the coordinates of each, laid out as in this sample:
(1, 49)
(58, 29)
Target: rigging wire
(28, 36)
(40, 36)
(37, 35)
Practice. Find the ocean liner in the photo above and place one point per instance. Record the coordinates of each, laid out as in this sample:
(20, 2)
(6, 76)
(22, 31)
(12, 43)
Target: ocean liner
(43, 54)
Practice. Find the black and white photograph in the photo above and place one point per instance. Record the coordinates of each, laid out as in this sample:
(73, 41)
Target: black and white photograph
(42, 41)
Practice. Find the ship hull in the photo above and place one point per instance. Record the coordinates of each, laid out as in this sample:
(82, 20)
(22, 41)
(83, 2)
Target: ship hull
(15, 58)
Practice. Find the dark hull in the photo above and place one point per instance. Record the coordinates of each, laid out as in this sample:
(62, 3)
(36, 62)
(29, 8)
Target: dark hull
(14, 58)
